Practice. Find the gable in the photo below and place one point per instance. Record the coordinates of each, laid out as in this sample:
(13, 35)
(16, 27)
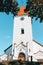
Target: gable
(21, 47)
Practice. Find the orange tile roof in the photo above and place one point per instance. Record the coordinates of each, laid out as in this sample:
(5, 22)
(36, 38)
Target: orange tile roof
(21, 11)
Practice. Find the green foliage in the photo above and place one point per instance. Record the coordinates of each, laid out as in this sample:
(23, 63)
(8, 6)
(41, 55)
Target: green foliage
(9, 6)
(16, 62)
(35, 9)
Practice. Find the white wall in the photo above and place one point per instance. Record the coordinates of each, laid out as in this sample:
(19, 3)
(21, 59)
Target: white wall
(37, 51)
(27, 36)
(27, 26)
(3, 57)
(36, 47)
(18, 24)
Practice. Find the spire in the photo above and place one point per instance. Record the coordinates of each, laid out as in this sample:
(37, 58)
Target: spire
(21, 11)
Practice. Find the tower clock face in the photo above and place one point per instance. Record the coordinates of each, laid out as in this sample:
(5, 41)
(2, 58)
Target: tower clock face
(22, 18)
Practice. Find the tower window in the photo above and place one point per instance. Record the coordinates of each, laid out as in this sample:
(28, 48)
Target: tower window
(22, 31)
(22, 18)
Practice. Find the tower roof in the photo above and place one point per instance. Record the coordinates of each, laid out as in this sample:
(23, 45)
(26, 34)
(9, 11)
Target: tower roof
(21, 11)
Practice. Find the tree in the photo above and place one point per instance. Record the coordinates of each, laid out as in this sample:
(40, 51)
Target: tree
(9, 6)
(35, 9)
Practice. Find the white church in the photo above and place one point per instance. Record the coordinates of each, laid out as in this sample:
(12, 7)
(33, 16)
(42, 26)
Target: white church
(23, 40)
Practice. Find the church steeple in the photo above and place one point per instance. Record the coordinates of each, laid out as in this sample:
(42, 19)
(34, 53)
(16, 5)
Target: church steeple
(22, 32)
(21, 11)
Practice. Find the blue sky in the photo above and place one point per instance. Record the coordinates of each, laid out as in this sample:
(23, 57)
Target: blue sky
(6, 29)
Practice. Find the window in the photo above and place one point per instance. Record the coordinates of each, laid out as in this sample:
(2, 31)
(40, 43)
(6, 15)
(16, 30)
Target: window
(22, 18)
(22, 31)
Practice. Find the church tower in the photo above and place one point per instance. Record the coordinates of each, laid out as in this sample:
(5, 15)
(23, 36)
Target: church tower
(22, 33)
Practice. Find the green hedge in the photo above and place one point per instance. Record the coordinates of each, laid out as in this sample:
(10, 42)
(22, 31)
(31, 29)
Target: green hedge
(25, 63)
(16, 62)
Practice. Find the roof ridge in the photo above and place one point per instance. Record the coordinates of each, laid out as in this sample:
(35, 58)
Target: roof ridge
(38, 43)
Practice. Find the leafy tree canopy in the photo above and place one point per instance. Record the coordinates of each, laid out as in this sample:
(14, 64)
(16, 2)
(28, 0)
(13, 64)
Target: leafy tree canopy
(35, 9)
